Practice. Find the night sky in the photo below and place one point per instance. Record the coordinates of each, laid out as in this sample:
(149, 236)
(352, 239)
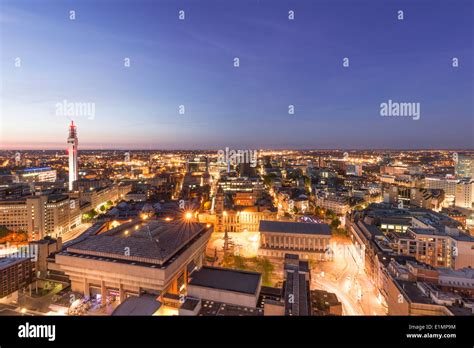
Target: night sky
(282, 62)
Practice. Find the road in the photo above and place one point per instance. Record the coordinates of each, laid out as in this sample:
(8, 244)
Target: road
(345, 277)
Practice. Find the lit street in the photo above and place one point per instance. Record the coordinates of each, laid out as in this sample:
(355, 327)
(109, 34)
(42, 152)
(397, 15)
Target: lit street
(347, 279)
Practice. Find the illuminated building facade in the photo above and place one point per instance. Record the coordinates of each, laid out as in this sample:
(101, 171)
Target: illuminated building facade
(137, 257)
(307, 240)
(43, 174)
(41, 216)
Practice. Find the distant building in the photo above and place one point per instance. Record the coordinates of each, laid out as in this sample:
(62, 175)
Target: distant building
(464, 167)
(419, 197)
(41, 216)
(237, 217)
(354, 169)
(245, 199)
(241, 184)
(84, 185)
(136, 196)
(42, 174)
(14, 215)
(393, 170)
(465, 194)
(448, 185)
(337, 204)
(197, 164)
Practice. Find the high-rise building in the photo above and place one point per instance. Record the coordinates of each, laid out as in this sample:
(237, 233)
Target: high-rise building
(465, 194)
(353, 169)
(465, 166)
(15, 274)
(41, 215)
(72, 143)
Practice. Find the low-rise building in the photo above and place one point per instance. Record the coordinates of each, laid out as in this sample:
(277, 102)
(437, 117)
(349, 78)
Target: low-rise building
(137, 257)
(308, 240)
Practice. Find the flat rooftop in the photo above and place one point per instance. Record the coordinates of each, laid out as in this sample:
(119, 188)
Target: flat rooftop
(227, 279)
(294, 227)
(146, 241)
(6, 262)
(212, 308)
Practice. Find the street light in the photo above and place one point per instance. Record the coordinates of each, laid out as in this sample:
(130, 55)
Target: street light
(188, 215)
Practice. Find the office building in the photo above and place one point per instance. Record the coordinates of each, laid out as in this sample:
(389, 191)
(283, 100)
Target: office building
(353, 169)
(41, 216)
(15, 274)
(465, 194)
(464, 167)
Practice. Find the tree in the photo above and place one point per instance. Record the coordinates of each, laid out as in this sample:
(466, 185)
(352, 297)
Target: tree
(89, 215)
(335, 223)
(239, 262)
(268, 179)
(330, 214)
(307, 182)
(264, 266)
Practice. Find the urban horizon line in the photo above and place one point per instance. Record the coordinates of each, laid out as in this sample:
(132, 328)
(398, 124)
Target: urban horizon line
(82, 149)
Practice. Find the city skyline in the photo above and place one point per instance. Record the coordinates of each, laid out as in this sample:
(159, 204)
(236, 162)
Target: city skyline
(283, 62)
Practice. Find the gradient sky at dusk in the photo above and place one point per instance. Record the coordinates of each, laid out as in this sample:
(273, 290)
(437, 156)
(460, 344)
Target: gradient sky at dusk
(282, 62)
